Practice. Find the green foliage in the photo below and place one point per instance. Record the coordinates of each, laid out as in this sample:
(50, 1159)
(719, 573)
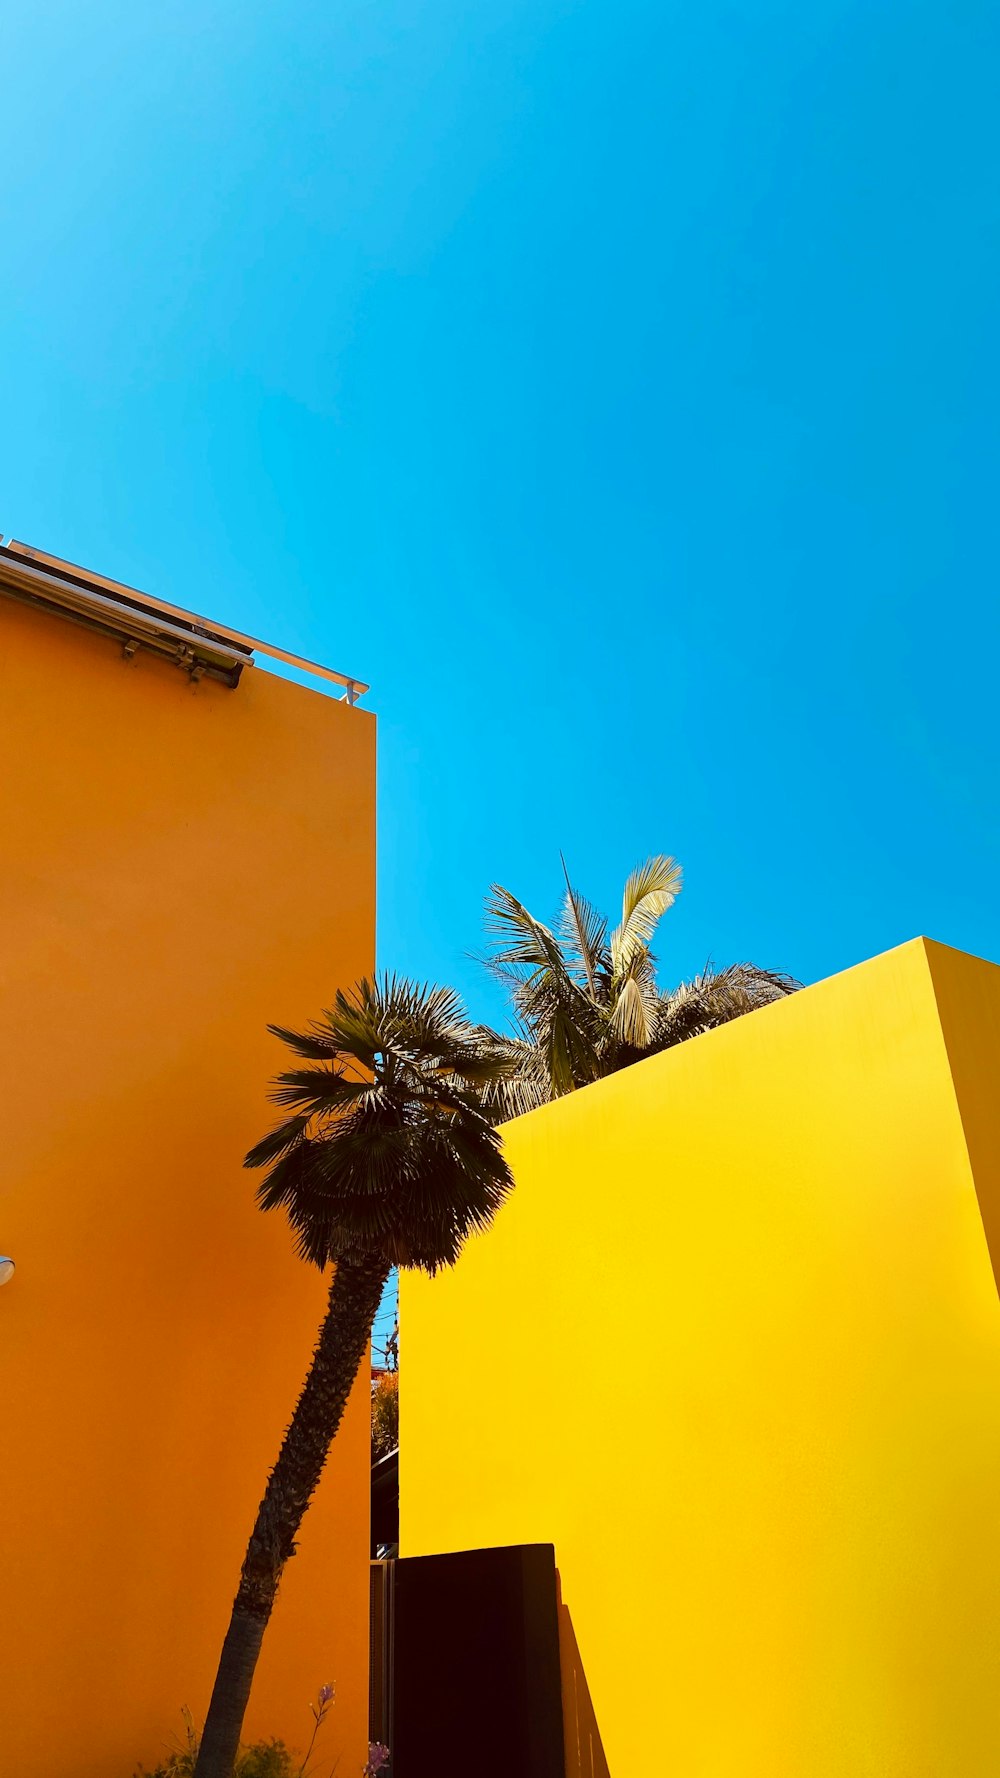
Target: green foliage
(586, 1001)
(385, 1414)
(264, 1759)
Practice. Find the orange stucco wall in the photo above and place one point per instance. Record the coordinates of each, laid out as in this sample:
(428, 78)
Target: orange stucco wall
(180, 864)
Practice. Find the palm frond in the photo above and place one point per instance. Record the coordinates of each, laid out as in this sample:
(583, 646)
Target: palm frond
(520, 941)
(315, 1089)
(520, 1081)
(716, 997)
(584, 1006)
(583, 932)
(315, 1044)
(547, 998)
(287, 1135)
(633, 1017)
(649, 892)
(392, 1153)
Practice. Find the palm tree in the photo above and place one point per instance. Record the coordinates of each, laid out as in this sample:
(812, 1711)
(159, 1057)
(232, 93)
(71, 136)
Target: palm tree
(586, 1002)
(385, 1158)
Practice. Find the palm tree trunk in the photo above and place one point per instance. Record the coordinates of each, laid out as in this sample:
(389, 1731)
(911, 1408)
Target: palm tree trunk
(355, 1294)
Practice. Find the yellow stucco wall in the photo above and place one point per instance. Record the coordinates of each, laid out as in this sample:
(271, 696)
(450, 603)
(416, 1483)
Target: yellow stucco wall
(734, 1347)
(180, 864)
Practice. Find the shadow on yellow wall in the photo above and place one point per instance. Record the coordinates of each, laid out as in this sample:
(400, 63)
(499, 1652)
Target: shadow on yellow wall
(584, 1748)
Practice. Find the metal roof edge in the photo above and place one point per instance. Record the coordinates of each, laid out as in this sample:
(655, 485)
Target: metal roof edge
(172, 620)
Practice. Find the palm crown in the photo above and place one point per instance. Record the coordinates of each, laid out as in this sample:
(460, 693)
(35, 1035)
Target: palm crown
(385, 1157)
(388, 1153)
(586, 1001)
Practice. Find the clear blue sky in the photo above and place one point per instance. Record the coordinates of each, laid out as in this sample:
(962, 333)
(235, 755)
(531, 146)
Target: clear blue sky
(615, 386)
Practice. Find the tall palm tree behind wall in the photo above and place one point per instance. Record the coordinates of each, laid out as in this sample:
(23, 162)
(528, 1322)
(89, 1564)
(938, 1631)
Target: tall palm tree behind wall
(385, 1157)
(585, 999)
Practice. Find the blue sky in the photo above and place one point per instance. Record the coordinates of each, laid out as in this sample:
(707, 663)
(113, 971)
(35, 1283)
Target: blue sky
(614, 386)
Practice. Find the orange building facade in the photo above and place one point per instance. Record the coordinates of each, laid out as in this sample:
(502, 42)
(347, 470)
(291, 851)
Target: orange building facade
(187, 854)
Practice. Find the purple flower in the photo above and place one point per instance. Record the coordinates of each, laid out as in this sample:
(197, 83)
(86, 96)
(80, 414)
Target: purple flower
(325, 1695)
(378, 1758)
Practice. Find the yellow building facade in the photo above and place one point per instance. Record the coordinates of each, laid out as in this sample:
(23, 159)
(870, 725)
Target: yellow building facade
(187, 854)
(733, 1346)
